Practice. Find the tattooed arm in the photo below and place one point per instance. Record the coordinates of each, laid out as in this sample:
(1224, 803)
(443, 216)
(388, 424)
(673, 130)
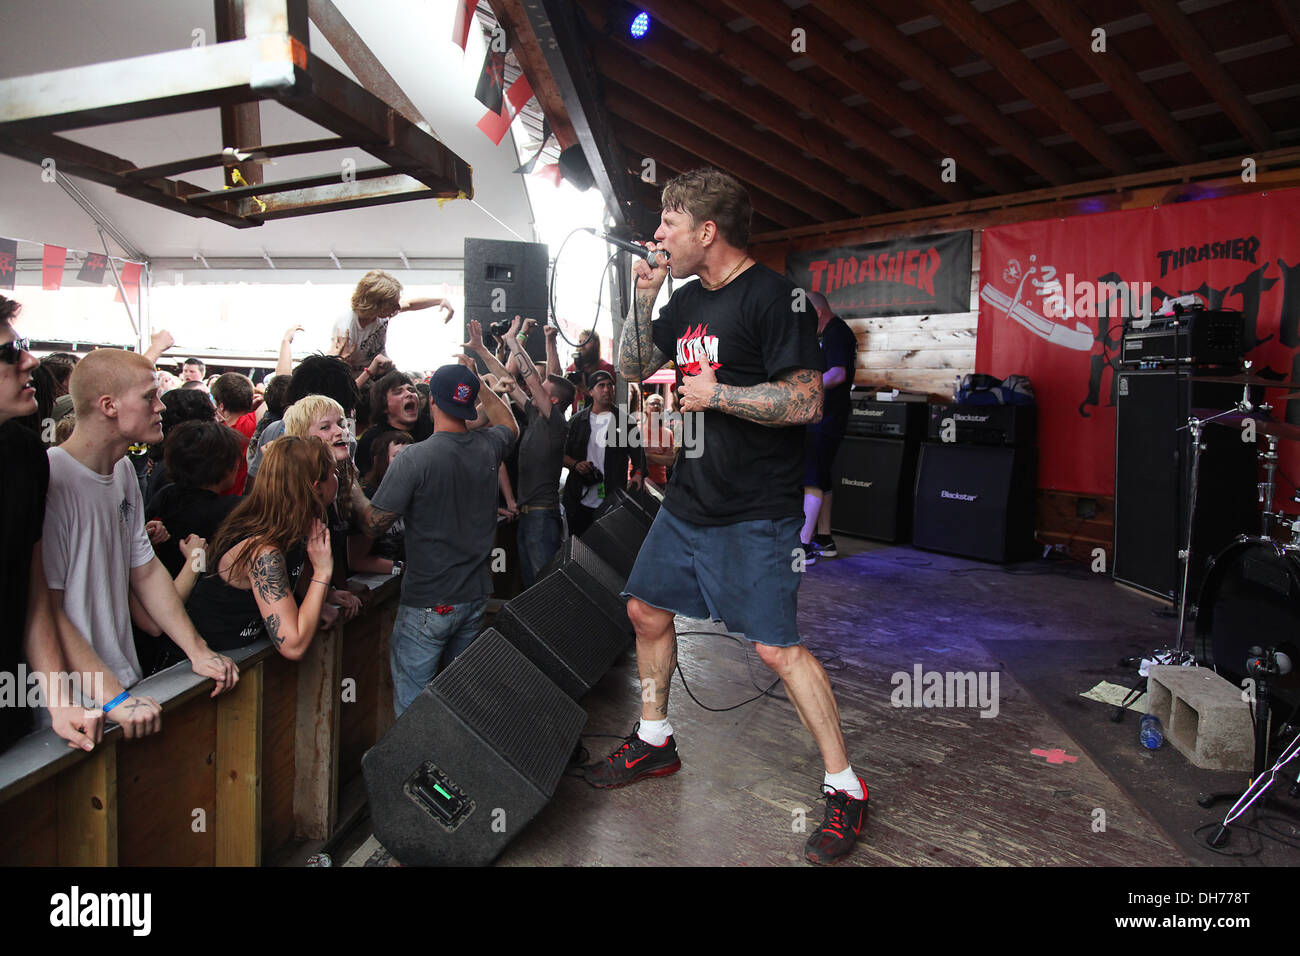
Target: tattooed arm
(792, 398)
(638, 342)
(374, 522)
(290, 627)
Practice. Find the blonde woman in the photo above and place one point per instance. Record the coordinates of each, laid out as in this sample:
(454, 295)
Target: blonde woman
(362, 334)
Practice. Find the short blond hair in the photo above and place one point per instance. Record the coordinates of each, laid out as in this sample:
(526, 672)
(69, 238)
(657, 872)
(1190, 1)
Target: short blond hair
(376, 291)
(299, 417)
(104, 372)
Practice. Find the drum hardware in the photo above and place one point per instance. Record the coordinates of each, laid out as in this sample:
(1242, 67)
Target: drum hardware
(1263, 665)
(1195, 426)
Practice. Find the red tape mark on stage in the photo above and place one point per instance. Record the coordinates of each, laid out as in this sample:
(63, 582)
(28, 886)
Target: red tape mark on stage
(1056, 755)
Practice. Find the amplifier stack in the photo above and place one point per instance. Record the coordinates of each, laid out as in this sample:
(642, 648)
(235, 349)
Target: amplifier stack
(977, 481)
(875, 469)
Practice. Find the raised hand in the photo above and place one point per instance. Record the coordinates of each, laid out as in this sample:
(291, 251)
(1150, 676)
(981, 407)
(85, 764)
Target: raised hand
(318, 551)
(192, 547)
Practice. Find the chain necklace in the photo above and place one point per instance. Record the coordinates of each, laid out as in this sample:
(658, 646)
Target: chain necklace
(727, 279)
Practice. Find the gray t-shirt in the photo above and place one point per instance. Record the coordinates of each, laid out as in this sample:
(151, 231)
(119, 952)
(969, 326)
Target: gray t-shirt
(446, 489)
(541, 456)
(363, 344)
(93, 536)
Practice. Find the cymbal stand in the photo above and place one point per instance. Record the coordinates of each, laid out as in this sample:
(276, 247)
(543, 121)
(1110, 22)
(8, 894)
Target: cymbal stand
(1195, 426)
(1268, 486)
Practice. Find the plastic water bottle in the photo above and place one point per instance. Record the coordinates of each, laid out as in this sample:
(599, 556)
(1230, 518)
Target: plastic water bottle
(1149, 732)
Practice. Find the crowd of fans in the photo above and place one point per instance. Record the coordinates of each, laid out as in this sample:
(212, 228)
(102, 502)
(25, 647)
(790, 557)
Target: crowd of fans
(152, 516)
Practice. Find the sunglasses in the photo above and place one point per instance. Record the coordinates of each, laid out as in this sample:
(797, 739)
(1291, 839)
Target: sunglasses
(11, 352)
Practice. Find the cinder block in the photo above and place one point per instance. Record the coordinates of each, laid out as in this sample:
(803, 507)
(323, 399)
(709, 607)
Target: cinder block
(1203, 716)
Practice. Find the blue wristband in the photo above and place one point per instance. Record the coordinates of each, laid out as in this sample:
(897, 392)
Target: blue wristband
(115, 701)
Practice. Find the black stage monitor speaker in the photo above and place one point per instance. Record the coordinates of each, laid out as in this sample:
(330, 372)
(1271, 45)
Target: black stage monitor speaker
(976, 501)
(874, 480)
(567, 630)
(616, 537)
(592, 574)
(1153, 469)
(504, 279)
(472, 760)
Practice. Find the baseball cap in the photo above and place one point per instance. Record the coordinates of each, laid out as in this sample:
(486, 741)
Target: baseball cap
(598, 376)
(454, 389)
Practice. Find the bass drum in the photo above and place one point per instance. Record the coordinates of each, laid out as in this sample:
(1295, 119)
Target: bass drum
(1250, 598)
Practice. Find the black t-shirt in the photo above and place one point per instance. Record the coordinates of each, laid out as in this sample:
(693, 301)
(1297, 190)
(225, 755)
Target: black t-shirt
(185, 511)
(24, 481)
(750, 333)
(227, 616)
(839, 350)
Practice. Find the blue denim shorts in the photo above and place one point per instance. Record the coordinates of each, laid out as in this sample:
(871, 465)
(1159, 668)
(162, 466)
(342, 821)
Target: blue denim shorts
(744, 574)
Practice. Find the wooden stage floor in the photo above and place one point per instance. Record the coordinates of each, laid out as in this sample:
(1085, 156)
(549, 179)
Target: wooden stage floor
(948, 787)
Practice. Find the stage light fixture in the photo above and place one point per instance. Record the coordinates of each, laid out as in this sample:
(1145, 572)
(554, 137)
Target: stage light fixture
(640, 25)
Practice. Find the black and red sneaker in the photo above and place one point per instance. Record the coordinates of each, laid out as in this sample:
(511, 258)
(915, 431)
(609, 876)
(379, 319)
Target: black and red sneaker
(635, 760)
(845, 818)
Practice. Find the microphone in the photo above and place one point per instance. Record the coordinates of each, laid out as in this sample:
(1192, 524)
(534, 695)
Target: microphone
(656, 257)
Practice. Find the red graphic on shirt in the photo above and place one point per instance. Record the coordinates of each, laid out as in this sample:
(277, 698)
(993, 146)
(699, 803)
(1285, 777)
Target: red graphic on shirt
(695, 346)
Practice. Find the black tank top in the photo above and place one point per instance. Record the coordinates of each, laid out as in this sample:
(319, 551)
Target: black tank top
(227, 617)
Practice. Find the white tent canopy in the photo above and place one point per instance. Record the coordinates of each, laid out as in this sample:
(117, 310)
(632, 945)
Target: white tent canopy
(411, 38)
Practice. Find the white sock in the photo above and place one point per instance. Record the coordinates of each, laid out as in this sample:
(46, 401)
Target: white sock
(847, 781)
(655, 732)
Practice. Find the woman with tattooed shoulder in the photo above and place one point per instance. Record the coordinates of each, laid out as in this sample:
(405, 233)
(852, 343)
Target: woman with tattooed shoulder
(262, 549)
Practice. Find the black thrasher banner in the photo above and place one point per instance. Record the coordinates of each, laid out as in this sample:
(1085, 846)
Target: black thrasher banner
(919, 276)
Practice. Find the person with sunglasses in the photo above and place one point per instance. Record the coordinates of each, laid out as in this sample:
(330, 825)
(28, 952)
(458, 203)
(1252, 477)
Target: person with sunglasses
(29, 630)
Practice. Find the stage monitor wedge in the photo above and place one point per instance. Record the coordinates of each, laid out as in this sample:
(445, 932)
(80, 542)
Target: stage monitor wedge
(567, 632)
(473, 759)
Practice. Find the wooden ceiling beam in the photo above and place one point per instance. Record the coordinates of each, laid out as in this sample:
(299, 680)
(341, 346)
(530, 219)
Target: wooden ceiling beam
(828, 53)
(1196, 53)
(1288, 15)
(910, 58)
(523, 41)
(798, 93)
(1277, 162)
(636, 109)
(1121, 80)
(639, 143)
(682, 100)
(978, 33)
(781, 121)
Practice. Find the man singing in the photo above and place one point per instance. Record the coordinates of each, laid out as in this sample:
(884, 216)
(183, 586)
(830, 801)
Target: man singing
(726, 543)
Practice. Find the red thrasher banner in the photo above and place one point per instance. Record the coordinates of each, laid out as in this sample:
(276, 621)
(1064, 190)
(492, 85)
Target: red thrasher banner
(1053, 295)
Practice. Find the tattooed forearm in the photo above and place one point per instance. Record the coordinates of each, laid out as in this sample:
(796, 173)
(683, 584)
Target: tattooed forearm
(270, 578)
(638, 358)
(793, 399)
(375, 522)
(272, 622)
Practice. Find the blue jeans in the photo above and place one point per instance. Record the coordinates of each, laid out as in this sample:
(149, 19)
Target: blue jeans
(420, 635)
(539, 537)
